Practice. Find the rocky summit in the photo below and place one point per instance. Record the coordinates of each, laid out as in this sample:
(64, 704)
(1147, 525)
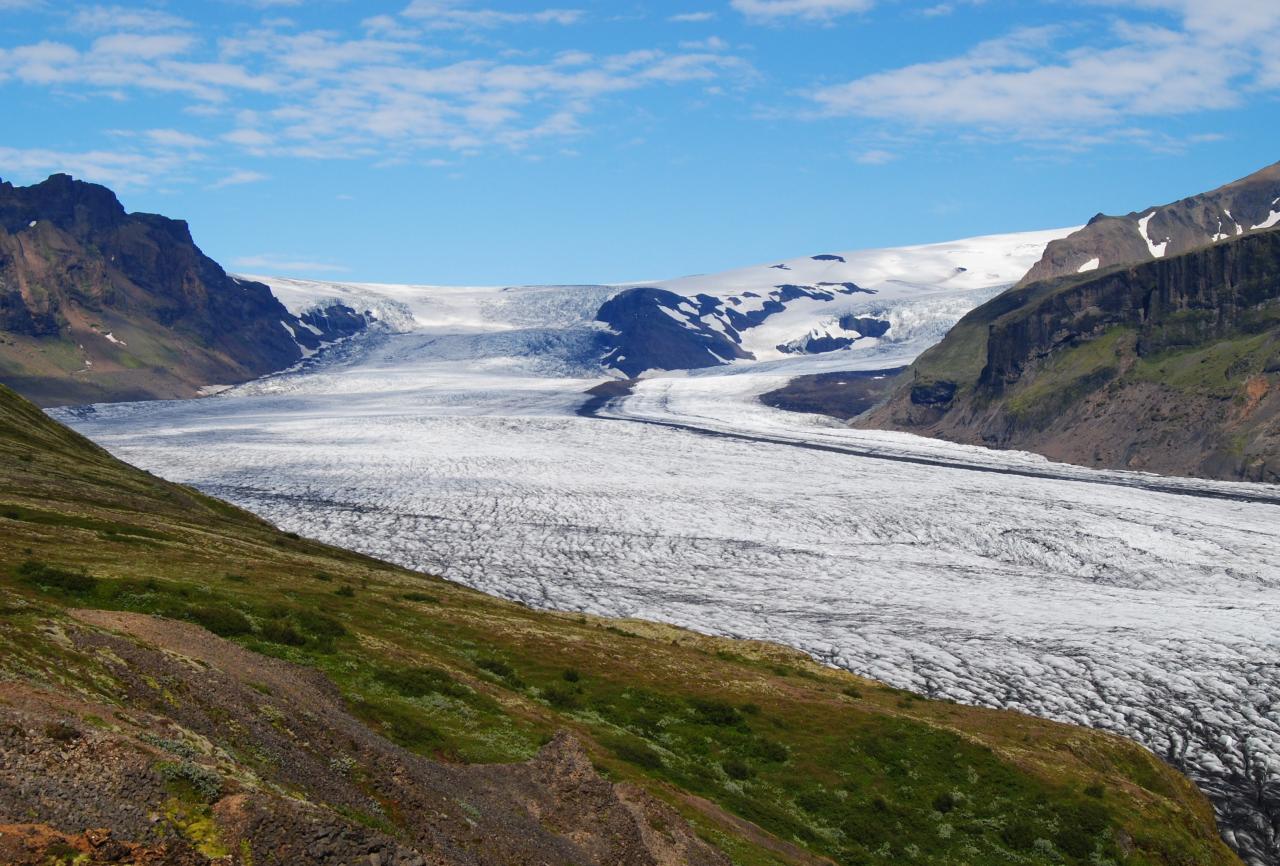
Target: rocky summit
(99, 304)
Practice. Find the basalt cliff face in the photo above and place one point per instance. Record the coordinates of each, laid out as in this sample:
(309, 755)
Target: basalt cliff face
(100, 304)
(1171, 366)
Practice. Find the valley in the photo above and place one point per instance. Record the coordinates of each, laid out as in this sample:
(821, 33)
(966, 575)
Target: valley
(450, 442)
(732, 433)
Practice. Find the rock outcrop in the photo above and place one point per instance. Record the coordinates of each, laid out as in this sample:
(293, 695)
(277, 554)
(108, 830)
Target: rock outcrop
(1170, 366)
(168, 765)
(100, 304)
(1247, 205)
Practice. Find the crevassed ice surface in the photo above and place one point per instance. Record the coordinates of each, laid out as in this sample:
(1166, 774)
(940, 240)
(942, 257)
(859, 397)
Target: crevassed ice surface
(988, 577)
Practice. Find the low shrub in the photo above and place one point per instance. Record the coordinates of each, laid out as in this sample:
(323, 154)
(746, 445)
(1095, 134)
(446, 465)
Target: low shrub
(282, 632)
(420, 681)
(51, 577)
(402, 724)
(200, 782)
(223, 620)
(561, 697)
(713, 712)
(636, 752)
(319, 624)
(497, 667)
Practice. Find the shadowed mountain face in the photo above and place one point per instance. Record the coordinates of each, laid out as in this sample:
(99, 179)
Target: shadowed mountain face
(100, 304)
(1171, 366)
(1247, 205)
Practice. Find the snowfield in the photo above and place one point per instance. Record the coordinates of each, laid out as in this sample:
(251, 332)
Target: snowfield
(451, 444)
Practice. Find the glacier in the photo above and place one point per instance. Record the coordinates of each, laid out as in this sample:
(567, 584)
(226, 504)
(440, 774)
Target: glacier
(452, 441)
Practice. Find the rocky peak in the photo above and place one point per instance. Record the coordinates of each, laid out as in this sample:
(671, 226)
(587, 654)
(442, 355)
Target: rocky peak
(76, 207)
(100, 304)
(1238, 208)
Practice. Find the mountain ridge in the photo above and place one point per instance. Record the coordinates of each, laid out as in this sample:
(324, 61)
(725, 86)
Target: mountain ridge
(1246, 205)
(100, 304)
(1168, 365)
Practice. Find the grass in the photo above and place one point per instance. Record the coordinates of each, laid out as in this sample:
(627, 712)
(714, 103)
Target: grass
(1069, 376)
(815, 758)
(1217, 369)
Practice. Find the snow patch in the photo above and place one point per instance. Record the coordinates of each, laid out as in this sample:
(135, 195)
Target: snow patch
(1157, 249)
(1091, 265)
(1270, 221)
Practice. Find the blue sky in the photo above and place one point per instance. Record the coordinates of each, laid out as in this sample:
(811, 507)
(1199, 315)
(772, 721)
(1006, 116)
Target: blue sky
(494, 141)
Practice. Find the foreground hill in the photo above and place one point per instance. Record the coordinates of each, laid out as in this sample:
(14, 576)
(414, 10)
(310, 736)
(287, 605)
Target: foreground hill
(1171, 366)
(1247, 205)
(97, 304)
(355, 710)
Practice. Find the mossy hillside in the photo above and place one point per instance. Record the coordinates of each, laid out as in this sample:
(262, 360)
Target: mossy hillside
(816, 758)
(1069, 376)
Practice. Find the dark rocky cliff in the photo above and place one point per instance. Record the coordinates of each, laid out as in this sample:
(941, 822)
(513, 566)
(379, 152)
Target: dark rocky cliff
(1172, 366)
(100, 304)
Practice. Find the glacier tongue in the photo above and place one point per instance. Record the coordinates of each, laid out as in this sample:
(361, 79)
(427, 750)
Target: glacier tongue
(1149, 614)
(452, 446)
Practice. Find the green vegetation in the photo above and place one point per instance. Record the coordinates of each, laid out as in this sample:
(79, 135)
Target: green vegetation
(1216, 370)
(821, 761)
(1170, 366)
(1069, 376)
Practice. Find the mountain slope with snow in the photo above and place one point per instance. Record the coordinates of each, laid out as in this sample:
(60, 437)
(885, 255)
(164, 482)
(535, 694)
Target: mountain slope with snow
(1239, 208)
(805, 306)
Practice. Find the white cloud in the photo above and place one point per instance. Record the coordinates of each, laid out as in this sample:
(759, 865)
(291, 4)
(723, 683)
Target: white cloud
(390, 92)
(457, 14)
(238, 178)
(806, 10)
(175, 138)
(1047, 82)
(116, 169)
(249, 138)
(711, 43)
(286, 264)
(875, 157)
(692, 17)
(119, 18)
(143, 47)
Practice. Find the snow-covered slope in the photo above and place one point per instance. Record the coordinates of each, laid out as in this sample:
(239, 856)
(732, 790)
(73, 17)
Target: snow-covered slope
(804, 306)
(904, 286)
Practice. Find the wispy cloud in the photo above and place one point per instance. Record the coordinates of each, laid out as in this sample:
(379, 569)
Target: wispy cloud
(875, 157)
(1047, 82)
(272, 263)
(821, 11)
(123, 169)
(692, 17)
(387, 92)
(459, 14)
(238, 178)
(119, 18)
(175, 138)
